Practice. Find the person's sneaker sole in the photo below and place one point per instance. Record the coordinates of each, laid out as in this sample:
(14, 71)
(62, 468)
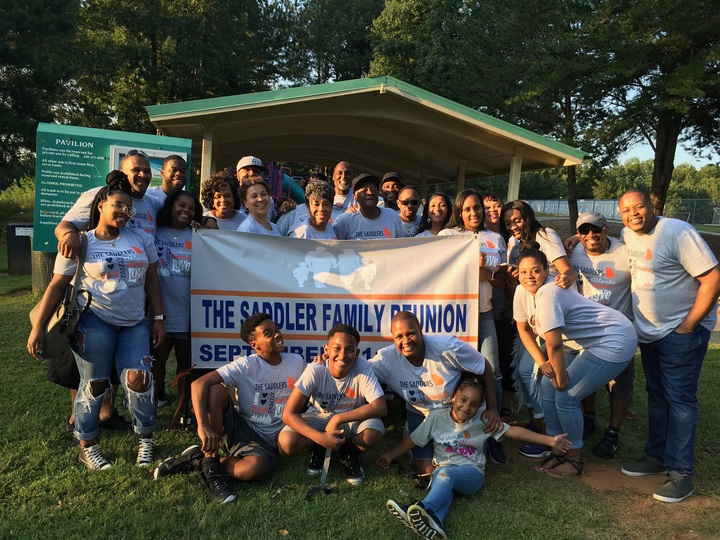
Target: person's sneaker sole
(672, 490)
(230, 497)
(630, 472)
(398, 513)
(533, 454)
(424, 525)
(161, 470)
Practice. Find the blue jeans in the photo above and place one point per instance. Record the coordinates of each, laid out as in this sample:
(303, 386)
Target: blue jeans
(672, 368)
(462, 479)
(527, 389)
(586, 374)
(488, 347)
(97, 347)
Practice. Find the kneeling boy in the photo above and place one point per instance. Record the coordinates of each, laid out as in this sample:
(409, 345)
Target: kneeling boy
(346, 404)
(249, 430)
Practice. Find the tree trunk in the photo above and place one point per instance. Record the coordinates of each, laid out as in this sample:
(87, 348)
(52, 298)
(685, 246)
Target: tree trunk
(668, 131)
(572, 195)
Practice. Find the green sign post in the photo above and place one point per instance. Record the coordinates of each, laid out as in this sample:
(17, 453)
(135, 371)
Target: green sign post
(71, 160)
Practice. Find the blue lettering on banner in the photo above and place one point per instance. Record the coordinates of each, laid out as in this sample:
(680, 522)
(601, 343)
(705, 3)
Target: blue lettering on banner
(223, 352)
(286, 315)
(437, 318)
(218, 313)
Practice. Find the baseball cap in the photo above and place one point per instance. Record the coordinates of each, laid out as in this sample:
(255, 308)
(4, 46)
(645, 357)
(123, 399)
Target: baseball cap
(592, 218)
(365, 178)
(250, 161)
(394, 175)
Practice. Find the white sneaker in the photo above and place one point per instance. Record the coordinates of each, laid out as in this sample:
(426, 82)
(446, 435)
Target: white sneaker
(145, 451)
(91, 457)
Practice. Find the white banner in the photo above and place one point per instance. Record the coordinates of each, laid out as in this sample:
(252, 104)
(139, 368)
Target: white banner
(308, 286)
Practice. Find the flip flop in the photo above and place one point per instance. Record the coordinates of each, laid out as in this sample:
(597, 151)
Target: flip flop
(578, 465)
(543, 465)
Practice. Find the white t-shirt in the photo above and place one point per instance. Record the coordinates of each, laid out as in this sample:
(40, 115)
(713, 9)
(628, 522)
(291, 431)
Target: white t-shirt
(231, 224)
(263, 389)
(174, 248)
(588, 325)
(550, 244)
(495, 250)
(605, 278)
(355, 226)
(455, 443)
(251, 225)
(663, 265)
(330, 395)
(430, 385)
(114, 273)
(308, 231)
(412, 227)
(156, 192)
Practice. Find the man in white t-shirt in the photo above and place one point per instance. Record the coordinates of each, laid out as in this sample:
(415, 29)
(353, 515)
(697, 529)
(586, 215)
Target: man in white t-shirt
(346, 404)
(675, 286)
(424, 370)
(370, 222)
(248, 431)
(604, 276)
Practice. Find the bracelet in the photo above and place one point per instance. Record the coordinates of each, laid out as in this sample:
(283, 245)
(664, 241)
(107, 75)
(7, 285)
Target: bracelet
(70, 232)
(159, 317)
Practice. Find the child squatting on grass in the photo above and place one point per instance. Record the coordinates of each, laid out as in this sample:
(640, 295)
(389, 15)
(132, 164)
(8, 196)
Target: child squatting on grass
(458, 439)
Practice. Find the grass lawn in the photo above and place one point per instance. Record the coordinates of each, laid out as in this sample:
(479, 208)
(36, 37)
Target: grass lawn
(47, 494)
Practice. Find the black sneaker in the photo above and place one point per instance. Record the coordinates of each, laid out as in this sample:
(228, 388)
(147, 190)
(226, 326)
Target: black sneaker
(214, 481)
(608, 445)
(399, 511)
(351, 464)
(496, 451)
(317, 459)
(190, 460)
(590, 425)
(425, 523)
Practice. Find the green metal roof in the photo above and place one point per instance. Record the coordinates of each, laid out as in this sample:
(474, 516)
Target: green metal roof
(377, 124)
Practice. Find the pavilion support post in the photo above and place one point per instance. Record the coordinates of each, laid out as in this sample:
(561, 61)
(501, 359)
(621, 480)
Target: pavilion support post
(207, 160)
(515, 169)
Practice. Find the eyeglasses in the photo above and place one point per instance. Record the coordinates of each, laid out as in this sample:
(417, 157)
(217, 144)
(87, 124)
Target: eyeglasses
(409, 202)
(586, 228)
(124, 209)
(140, 153)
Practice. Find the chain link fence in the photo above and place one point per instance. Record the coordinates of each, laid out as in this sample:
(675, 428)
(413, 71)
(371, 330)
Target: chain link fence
(695, 211)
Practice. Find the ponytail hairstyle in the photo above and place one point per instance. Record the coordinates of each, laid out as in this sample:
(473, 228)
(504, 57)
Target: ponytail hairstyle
(115, 182)
(534, 253)
(474, 380)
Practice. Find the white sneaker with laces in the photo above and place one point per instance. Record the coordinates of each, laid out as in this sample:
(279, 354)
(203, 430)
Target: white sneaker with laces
(145, 451)
(91, 457)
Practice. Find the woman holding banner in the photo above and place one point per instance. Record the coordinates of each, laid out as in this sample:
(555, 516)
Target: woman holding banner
(256, 198)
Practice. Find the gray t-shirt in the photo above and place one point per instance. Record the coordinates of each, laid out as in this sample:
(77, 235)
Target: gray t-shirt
(308, 231)
(550, 244)
(355, 226)
(663, 265)
(430, 385)
(251, 225)
(454, 443)
(114, 273)
(146, 210)
(330, 395)
(588, 325)
(230, 224)
(605, 278)
(174, 248)
(263, 389)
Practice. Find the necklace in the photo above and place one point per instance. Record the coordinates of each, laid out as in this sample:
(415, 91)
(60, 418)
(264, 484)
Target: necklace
(104, 239)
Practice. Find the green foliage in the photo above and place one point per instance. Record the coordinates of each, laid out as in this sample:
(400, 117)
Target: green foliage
(17, 202)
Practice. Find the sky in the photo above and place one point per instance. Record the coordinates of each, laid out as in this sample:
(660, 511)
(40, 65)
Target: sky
(643, 152)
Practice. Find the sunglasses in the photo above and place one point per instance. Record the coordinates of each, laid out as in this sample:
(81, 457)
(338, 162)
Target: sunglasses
(140, 153)
(586, 229)
(409, 202)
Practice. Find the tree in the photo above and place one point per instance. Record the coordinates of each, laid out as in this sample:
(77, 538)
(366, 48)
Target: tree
(33, 66)
(661, 78)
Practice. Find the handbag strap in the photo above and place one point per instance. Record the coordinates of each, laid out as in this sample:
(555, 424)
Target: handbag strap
(78, 270)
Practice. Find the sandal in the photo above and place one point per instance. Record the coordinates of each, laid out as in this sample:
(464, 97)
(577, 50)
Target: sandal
(543, 465)
(579, 467)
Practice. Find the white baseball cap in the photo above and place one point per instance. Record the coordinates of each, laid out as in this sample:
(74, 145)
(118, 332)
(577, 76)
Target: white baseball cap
(250, 161)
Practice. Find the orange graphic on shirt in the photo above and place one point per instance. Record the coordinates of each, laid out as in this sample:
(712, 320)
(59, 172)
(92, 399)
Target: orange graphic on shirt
(437, 379)
(648, 255)
(350, 393)
(188, 244)
(490, 244)
(291, 383)
(387, 232)
(609, 272)
(137, 250)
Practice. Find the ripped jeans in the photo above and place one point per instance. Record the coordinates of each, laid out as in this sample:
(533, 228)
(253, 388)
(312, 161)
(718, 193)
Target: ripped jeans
(461, 479)
(97, 347)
